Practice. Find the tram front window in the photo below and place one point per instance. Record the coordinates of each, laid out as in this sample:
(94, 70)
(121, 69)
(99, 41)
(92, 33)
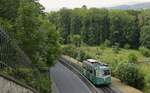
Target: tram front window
(106, 72)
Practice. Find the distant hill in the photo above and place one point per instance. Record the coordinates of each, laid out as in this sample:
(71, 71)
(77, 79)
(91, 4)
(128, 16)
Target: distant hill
(135, 6)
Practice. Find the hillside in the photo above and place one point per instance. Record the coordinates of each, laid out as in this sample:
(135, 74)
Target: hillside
(135, 6)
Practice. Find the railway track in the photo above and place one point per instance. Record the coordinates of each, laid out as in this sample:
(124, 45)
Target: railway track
(102, 89)
(107, 89)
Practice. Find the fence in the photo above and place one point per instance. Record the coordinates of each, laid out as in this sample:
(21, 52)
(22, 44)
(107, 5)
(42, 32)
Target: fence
(15, 63)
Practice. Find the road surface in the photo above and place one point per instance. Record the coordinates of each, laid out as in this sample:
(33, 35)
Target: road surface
(65, 81)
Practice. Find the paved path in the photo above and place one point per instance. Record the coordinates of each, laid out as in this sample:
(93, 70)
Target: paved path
(65, 81)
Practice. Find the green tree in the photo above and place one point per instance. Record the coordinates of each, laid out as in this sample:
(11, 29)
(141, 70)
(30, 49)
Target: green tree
(124, 28)
(37, 37)
(8, 9)
(145, 36)
(27, 25)
(76, 40)
(76, 22)
(64, 24)
(50, 46)
(129, 74)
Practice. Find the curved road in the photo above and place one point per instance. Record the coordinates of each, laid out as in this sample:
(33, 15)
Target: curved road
(65, 81)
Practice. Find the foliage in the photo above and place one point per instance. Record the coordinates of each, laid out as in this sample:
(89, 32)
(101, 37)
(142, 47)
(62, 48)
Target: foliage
(127, 46)
(98, 26)
(107, 54)
(102, 46)
(145, 51)
(29, 77)
(113, 65)
(129, 74)
(116, 60)
(8, 9)
(51, 47)
(35, 35)
(132, 58)
(43, 83)
(64, 24)
(28, 25)
(24, 74)
(76, 40)
(116, 48)
(145, 26)
(123, 28)
(74, 52)
(145, 36)
(147, 84)
(107, 43)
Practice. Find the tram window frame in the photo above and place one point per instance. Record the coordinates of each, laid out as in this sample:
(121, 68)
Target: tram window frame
(90, 71)
(94, 72)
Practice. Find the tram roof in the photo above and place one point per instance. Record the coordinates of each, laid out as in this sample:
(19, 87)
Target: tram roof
(95, 62)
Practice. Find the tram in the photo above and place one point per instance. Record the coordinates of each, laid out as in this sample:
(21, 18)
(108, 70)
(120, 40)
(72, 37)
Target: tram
(97, 72)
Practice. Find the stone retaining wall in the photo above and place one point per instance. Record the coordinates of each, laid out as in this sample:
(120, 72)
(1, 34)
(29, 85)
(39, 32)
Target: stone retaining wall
(8, 85)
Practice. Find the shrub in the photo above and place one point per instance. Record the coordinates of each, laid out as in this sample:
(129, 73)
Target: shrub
(127, 46)
(70, 50)
(34, 78)
(43, 81)
(116, 48)
(83, 56)
(102, 47)
(129, 74)
(113, 65)
(107, 43)
(23, 74)
(145, 51)
(147, 84)
(132, 58)
(74, 52)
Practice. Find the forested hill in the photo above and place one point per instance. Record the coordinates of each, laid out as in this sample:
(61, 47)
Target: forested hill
(135, 6)
(100, 26)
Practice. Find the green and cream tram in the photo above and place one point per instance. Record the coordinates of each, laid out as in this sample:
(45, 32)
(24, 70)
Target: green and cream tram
(98, 73)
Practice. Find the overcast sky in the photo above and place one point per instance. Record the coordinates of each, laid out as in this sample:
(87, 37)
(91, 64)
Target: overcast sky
(52, 5)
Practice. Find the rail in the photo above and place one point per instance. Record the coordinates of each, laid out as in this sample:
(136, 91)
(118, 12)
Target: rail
(77, 70)
(88, 83)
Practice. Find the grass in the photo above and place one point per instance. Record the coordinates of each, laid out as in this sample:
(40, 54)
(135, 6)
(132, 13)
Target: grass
(108, 55)
(113, 57)
(145, 69)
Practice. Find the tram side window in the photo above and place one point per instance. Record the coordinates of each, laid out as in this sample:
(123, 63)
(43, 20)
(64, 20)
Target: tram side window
(94, 72)
(90, 71)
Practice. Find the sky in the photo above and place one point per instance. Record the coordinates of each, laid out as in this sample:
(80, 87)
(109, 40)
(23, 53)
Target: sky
(54, 5)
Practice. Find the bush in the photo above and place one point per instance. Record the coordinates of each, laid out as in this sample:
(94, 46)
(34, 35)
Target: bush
(33, 78)
(113, 65)
(147, 84)
(107, 43)
(145, 51)
(129, 74)
(23, 74)
(83, 56)
(116, 48)
(127, 46)
(43, 82)
(70, 50)
(132, 58)
(102, 47)
(74, 52)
